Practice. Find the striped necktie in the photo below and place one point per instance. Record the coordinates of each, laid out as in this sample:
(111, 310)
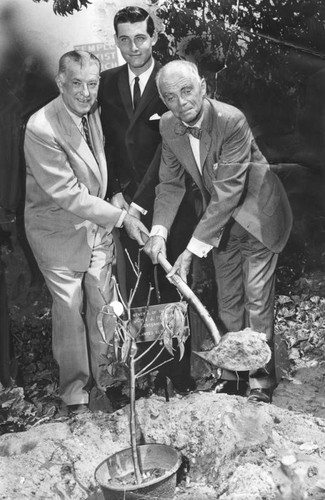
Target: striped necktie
(85, 125)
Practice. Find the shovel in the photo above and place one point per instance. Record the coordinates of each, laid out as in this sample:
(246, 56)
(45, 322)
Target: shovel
(236, 351)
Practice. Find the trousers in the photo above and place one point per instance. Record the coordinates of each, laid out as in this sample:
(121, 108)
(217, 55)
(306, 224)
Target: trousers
(78, 297)
(245, 278)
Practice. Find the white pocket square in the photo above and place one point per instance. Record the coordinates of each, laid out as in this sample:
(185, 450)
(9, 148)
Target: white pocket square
(155, 117)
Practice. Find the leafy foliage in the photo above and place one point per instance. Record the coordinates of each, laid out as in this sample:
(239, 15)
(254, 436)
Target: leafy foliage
(65, 7)
(255, 55)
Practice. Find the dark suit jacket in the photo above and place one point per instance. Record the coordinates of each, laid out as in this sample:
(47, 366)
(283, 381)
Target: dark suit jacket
(236, 179)
(132, 139)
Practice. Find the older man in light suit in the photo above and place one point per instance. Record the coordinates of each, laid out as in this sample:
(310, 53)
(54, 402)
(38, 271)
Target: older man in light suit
(69, 224)
(246, 218)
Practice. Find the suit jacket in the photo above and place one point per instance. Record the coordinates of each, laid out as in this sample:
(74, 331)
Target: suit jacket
(132, 138)
(236, 179)
(65, 187)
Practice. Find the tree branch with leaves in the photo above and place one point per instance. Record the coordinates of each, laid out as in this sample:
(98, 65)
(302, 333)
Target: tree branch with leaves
(65, 7)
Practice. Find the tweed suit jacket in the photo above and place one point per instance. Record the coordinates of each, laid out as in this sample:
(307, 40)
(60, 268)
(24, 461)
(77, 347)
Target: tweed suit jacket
(236, 180)
(65, 187)
(132, 138)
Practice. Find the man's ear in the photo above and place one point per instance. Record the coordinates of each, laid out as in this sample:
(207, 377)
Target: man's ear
(59, 84)
(154, 38)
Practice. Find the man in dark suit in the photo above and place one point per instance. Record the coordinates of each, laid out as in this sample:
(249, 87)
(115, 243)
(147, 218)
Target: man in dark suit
(69, 223)
(130, 120)
(247, 218)
(130, 112)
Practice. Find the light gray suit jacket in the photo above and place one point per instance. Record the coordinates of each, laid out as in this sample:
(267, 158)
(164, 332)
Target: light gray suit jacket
(65, 187)
(236, 180)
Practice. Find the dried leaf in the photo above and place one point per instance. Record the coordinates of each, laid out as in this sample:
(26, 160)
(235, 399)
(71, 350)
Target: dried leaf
(284, 299)
(181, 350)
(125, 349)
(168, 341)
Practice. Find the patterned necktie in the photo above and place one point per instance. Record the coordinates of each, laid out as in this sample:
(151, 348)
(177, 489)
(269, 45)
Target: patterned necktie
(85, 125)
(182, 129)
(136, 93)
(195, 131)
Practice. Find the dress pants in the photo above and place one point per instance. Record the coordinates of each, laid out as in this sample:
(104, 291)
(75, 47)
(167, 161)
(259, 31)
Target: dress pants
(245, 277)
(78, 297)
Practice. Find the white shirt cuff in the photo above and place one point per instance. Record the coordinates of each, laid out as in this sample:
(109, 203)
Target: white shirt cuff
(121, 218)
(159, 231)
(198, 247)
(143, 211)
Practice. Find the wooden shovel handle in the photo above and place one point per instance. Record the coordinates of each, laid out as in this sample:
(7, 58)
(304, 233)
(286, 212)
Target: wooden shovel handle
(192, 299)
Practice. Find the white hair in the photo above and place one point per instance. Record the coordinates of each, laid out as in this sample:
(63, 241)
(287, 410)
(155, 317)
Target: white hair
(174, 66)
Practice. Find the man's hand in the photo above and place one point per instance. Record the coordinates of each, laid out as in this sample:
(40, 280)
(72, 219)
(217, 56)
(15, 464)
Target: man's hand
(182, 265)
(135, 229)
(118, 201)
(154, 246)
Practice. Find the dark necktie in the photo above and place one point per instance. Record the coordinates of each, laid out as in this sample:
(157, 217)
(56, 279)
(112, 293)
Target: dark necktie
(85, 125)
(195, 131)
(136, 93)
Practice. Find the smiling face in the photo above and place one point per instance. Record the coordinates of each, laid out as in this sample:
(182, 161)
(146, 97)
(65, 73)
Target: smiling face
(135, 45)
(79, 85)
(182, 91)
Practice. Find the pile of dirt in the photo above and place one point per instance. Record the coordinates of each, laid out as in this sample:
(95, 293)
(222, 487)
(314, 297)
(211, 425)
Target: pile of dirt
(232, 449)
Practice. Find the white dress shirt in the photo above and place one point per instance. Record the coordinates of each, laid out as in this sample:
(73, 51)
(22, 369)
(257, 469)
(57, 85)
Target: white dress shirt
(143, 78)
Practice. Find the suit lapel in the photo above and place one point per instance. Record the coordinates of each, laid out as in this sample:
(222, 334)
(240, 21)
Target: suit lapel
(124, 89)
(181, 144)
(76, 140)
(205, 143)
(97, 136)
(150, 92)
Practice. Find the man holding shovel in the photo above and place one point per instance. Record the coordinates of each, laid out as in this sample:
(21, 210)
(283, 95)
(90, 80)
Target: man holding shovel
(246, 217)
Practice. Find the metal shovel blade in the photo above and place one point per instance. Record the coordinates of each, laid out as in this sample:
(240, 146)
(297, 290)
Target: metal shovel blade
(235, 351)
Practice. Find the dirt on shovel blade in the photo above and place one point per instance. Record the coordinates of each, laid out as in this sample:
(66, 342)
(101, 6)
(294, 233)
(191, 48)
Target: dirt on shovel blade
(239, 351)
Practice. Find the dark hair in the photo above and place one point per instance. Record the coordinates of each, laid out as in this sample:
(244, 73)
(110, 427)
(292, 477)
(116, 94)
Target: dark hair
(134, 15)
(79, 56)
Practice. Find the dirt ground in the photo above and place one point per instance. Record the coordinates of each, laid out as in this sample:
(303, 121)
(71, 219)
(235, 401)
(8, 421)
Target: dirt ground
(232, 449)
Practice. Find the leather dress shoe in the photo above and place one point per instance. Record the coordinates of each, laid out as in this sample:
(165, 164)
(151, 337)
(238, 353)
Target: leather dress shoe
(260, 395)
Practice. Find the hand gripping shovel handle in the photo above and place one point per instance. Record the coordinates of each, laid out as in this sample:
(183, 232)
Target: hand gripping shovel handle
(191, 298)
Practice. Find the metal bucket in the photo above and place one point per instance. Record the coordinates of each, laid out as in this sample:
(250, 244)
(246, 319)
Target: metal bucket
(150, 456)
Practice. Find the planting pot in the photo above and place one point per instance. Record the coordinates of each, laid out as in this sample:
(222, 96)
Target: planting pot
(151, 456)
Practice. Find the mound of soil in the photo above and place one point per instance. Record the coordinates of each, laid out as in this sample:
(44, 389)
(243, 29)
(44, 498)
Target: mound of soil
(232, 449)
